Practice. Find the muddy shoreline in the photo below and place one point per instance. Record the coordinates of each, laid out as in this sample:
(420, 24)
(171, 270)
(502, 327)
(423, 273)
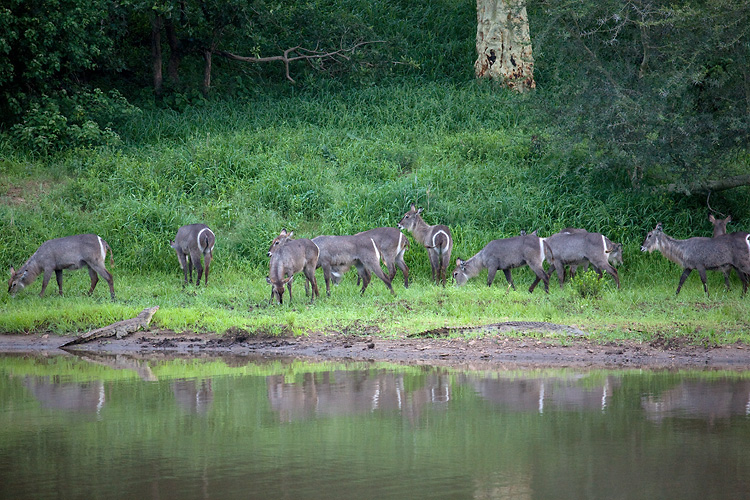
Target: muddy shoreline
(494, 349)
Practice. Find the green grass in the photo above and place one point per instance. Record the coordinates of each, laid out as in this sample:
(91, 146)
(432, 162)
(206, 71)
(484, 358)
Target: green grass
(338, 162)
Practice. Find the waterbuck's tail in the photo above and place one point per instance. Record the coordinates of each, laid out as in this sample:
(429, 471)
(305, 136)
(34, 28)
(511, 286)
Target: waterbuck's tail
(107, 248)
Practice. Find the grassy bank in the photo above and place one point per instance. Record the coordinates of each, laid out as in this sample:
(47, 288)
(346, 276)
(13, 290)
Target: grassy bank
(331, 161)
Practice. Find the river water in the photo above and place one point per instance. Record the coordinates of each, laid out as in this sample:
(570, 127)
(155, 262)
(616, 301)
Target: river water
(120, 427)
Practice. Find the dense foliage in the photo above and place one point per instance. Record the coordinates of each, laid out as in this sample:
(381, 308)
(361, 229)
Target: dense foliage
(632, 96)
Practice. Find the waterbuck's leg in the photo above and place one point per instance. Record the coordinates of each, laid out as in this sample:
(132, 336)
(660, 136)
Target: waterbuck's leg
(560, 268)
(58, 277)
(684, 276)
(207, 262)
(327, 278)
(289, 287)
(491, 271)
(509, 278)
(404, 270)
(94, 279)
(613, 272)
(377, 271)
(102, 271)
(310, 280)
(433, 264)
(702, 274)
(45, 281)
(195, 259)
(536, 282)
(540, 275)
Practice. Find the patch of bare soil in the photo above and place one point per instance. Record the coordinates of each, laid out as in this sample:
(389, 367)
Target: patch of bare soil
(434, 347)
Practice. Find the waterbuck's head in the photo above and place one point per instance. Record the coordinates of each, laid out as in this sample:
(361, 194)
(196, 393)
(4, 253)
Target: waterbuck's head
(720, 225)
(277, 287)
(651, 242)
(614, 254)
(17, 280)
(410, 218)
(279, 241)
(460, 273)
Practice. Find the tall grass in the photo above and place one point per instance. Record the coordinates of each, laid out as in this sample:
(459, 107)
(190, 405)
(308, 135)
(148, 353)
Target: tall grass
(325, 162)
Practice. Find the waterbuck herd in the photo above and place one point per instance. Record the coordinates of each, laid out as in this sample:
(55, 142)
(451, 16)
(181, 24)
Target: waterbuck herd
(571, 247)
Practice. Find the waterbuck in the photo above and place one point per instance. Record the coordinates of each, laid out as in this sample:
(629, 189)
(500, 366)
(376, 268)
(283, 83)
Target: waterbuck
(436, 239)
(720, 229)
(341, 252)
(575, 247)
(506, 254)
(291, 257)
(392, 245)
(191, 242)
(702, 254)
(70, 252)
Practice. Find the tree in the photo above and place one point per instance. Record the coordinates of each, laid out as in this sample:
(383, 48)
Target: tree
(504, 44)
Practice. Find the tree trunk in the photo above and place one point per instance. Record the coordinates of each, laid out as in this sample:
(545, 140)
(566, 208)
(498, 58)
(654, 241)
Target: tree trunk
(156, 60)
(504, 44)
(175, 52)
(207, 54)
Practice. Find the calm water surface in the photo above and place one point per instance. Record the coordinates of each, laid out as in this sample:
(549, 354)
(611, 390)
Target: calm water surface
(117, 427)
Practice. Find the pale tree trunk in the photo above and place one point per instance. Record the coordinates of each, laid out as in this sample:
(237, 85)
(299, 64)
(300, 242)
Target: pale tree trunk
(504, 44)
(156, 60)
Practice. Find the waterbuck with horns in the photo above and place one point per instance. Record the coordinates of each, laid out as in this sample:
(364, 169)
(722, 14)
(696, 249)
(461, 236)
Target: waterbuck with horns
(70, 252)
(191, 242)
(342, 252)
(436, 239)
(701, 254)
(288, 257)
(506, 254)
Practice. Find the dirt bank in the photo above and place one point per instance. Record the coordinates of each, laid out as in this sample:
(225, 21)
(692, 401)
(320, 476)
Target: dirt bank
(435, 348)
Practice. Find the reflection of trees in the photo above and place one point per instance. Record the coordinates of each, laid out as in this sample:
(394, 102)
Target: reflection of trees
(711, 400)
(351, 393)
(193, 396)
(540, 394)
(85, 397)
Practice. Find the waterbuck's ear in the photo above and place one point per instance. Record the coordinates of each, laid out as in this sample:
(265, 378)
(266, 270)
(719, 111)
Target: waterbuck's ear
(283, 232)
(290, 234)
(658, 227)
(268, 279)
(413, 208)
(12, 271)
(729, 218)
(288, 280)
(711, 218)
(420, 210)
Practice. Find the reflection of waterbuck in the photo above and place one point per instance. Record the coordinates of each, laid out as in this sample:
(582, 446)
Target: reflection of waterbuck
(288, 258)
(191, 242)
(580, 247)
(70, 252)
(342, 252)
(701, 254)
(436, 239)
(506, 254)
(720, 229)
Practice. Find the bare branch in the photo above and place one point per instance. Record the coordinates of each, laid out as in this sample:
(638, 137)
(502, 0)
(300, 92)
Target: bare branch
(703, 187)
(299, 53)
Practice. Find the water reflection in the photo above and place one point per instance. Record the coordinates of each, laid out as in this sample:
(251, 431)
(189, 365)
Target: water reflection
(248, 428)
(709, 400)
(572, 392)
(354, 392)
(52, 394)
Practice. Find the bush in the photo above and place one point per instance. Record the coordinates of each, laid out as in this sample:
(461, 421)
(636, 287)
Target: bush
(588, 285)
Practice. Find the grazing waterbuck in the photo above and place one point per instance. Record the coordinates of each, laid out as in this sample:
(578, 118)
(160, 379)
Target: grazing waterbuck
(392, 245)
(579, 247)
(191, 242)
(289, 258)
(614, 253)
(436, 239)
(70, 252)
(342, 252)
(701, 254)
(506, 254)
(720, 229)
